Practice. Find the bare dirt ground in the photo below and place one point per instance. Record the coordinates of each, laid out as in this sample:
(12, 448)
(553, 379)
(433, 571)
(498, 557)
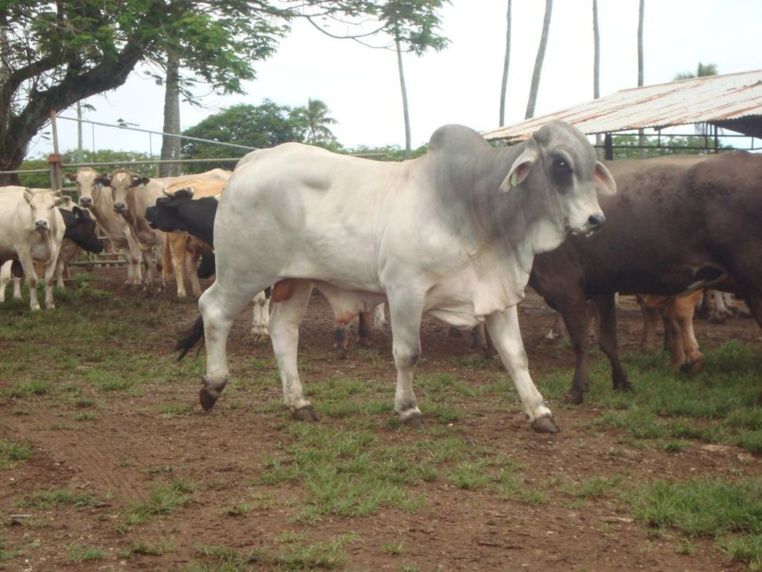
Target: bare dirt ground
(130, 446)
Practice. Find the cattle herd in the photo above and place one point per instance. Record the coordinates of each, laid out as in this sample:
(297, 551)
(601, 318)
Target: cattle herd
(458, 233)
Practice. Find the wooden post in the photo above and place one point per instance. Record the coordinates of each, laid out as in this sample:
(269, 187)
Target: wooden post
(54, 159)
(608, 145)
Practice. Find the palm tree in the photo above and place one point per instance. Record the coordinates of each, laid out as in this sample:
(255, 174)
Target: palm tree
(506, 60)
(538, 61)
(641, 10)
(316, 121)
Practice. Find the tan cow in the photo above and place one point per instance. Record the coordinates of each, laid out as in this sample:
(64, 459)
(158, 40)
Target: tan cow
(679, 337)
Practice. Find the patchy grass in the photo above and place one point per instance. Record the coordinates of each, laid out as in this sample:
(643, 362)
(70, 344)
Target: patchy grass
(164, 499)
(728, 512)
(85, 554)
(11, 452)
(61, 497)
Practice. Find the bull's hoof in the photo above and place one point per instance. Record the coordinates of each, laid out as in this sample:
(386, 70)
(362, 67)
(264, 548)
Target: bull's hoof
(306, 413)
(341, 353)
(207, 398)
(574, 396)
(545, 424)
(623, 386)
(414, 420)
(693, 367)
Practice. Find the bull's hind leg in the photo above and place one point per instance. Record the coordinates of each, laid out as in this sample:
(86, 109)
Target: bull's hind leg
(607, 339)
(219, 307)
(406, 310)
(285, 317)
(504, 330)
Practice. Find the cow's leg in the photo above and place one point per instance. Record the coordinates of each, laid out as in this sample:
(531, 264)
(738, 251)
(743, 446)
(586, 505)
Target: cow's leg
(59, 272)
(363, 328)
(30, 276)
(260, 316)
(5, 277)
(49, 276)
(175, 244)
(503, 328)
(673, 335)
(379, 317)
(341, 338)
(650, 319)
(684, 312)
(607, 339)
(134, 259)
(191, 264)
(406, 310)
(285, 318)
(577, 322)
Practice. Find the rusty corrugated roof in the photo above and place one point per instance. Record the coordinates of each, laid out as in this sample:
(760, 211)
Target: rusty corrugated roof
(733, 101)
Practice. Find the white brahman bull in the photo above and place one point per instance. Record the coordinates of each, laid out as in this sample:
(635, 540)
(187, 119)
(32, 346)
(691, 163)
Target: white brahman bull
(452, 233)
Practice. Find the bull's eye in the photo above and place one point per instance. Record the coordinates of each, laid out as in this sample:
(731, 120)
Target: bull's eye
(561, 173)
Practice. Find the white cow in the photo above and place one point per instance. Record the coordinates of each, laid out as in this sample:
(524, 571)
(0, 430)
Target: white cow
(31, 230)
(6, 276)
(452, 233)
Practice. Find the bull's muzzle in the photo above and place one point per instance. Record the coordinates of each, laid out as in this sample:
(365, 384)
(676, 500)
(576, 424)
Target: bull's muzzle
(595, 221)
(120, 208)
(86, 202)
(41, 226)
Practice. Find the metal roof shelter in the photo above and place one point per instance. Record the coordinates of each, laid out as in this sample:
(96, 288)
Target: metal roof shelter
(730, 101)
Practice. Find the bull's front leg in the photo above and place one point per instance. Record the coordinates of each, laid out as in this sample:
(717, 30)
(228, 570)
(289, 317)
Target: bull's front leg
(406, 310)
(503, 328)
(30, 276)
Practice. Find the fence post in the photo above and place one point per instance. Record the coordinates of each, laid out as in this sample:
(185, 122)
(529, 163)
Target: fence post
(54, 159)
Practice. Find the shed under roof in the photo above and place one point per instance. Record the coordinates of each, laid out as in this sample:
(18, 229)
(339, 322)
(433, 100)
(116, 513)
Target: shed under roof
(732, 101)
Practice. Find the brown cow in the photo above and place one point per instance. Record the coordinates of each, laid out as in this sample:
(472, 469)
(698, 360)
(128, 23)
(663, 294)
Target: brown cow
(677, 224)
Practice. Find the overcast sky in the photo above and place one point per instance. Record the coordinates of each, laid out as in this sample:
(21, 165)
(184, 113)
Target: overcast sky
(462, 83)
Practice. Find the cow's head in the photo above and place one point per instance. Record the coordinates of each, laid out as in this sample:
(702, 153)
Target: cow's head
(87, 180)
(80, 227)
(42, 204)
(163, 215)
(122, 183)
(560, 165)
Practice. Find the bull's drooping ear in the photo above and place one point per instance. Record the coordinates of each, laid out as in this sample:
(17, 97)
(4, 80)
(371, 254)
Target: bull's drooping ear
(61, 200)
(71, 177)
(138, 180)
(104, 180)
(604, 182)
(521, 167)
(28, 196)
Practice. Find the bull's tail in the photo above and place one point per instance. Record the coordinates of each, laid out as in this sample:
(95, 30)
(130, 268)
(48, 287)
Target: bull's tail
(190, 338)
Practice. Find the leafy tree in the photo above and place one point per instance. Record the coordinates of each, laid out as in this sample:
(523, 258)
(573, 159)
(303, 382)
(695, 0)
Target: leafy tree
(255, 126)
(702, 70)
(627, 146)
(53, 54)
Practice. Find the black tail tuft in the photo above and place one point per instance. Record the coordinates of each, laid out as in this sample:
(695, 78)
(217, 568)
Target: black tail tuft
(190, 338)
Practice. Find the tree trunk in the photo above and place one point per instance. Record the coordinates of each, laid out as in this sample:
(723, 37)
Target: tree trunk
(405, 112)
(538, 61)
(596, 64)
(170, 146)
(506, 60)
(641, 136)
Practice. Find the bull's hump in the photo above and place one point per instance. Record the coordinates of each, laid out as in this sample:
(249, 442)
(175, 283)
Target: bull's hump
(457, 139)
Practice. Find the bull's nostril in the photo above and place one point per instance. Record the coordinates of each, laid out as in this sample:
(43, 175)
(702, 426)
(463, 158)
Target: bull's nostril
(596, 220)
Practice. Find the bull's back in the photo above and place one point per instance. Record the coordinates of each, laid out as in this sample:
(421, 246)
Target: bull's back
(317, 213)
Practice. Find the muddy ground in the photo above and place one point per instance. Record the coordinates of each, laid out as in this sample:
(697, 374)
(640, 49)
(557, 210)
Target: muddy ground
(129, 445)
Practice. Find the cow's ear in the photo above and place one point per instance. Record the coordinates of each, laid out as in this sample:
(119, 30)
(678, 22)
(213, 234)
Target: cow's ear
(521, 167)
(71, 177)
(138, 180)
(28, 196)
(604, 182)
(61, 201)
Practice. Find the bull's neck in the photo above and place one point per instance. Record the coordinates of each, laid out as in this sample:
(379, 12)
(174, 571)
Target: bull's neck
(103, 209)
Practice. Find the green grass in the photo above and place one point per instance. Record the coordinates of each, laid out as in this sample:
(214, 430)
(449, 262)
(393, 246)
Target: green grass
(11, 452)
(85, 554)
(728, 512)
(59, 497)
(164, 499)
